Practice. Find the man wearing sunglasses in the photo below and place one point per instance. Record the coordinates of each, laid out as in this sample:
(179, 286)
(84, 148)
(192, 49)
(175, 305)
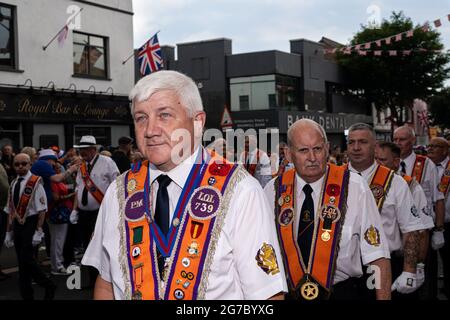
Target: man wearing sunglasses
(26, 208)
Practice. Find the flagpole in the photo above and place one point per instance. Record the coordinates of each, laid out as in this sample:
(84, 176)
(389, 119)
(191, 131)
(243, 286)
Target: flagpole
(134, 53)
(53, 39)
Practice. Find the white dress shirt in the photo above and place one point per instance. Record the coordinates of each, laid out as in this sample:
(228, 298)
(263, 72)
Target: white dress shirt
(440, 170)
(399, 213)
(420, 200)
(361, 213)
(234, 270)
(37, 203)
(103, 173)
(429, 181)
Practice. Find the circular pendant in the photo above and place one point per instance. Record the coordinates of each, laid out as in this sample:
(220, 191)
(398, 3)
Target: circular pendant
(325, 236)
(309, 290)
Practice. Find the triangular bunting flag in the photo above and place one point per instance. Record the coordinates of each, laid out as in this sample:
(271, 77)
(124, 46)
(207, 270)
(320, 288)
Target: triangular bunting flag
(410, 33)
(437, 23)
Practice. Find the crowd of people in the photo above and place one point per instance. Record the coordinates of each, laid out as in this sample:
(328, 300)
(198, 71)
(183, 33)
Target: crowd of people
(307, 223)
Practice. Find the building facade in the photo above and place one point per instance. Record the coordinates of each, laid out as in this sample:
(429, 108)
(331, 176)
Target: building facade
(272, 89)
(52, 94)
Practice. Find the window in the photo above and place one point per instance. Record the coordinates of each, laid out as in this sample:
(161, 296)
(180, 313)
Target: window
(243, 103)
(48, 140)
(7, 39)
(89, 55)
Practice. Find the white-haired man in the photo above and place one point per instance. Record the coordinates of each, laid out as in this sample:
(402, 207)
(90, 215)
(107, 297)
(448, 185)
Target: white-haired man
(177, 226)
(399, 214)
(425, 172)
(256, 161)
(327, 221)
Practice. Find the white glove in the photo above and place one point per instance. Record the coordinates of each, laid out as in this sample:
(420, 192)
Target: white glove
(37, 237)
(420, 274)
(74, 217)
(437, 240)
(9, 239)
(405, 283)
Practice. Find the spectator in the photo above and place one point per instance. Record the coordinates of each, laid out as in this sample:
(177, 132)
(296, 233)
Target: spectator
(7, 161)
(122, 155)
(4, 186)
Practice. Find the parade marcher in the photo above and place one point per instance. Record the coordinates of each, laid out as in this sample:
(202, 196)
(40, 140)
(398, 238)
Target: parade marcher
(58, 222)
(27, 207)
(327, 222)
(4, 186)
(438, 153)
(399, 214)
(388, 155)
(283, 162)
(256, 161)
(31, 152)
(205, 231)
(7, 156)
(424, 171)
(122, 155)
(95, 175)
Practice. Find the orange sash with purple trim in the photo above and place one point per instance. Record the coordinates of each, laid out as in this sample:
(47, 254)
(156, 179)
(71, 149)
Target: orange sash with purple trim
(444, 185)
(328, 225)
(419, 168)
(25, 198)
(380, 184)
(96, 193)
(193, 229)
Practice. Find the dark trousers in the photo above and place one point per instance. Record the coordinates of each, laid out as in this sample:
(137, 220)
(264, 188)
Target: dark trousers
(28, 267)
(3, 224)
(87, 220)
(445, 255)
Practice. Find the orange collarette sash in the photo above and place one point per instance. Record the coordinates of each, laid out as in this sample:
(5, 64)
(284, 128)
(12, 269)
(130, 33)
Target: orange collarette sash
(380, 184)
(329, 220)
(193, 230)
(90, 185)
(419, 167)
(444, 185)
(27, 194)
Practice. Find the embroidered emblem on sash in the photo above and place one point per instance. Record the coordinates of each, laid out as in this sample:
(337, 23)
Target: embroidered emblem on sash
(267, 259)
(131, 186)
(134, 207)
(286, 217)
(309, 290)
(372, 236)
(333, 190)
(377, 191)
(205, 203)
(196, 229)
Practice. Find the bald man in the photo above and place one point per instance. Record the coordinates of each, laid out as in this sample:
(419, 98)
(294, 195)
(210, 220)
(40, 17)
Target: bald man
(326, 212)
(424, 171)
(438, 153)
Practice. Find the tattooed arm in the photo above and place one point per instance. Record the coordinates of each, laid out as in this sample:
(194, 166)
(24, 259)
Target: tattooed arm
(411, 250)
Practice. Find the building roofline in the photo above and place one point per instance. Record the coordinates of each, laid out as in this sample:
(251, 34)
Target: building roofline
(266, 51)
(306, 40)
(202, 41)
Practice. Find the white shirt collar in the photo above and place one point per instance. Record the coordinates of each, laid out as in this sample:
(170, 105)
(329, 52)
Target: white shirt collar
(26, 176)
(316, 185)
(445, 162)
(180, 173)
(365, 173)
(409, 160)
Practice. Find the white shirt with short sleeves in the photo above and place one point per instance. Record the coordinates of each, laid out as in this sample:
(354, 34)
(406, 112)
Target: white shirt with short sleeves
(362, 213)
(38, 202)
(235, 273)
(103, 173)
(440, 169)
(420, 200)
(263, 170)
(429, 181)
(399, 214)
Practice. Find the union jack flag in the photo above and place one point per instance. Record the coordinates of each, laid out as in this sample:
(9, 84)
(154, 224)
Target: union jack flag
(149, 56)
(422, 116)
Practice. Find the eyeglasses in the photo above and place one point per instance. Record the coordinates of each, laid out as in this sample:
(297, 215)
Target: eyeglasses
(430, 146)
(18, 164)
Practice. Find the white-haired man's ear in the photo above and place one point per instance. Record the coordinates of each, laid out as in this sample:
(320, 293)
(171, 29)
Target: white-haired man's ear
(199, 123)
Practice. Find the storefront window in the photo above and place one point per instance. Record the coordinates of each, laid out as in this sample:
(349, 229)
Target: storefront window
(89, 55)
(102, 134)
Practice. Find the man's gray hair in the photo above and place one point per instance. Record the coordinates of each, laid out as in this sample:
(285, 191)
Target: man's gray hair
(183, 86)
(410, 130)
(362, 126)
(305, 122)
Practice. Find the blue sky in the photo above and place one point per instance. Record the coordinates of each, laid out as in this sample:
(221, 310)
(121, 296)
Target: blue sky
(257, 25)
